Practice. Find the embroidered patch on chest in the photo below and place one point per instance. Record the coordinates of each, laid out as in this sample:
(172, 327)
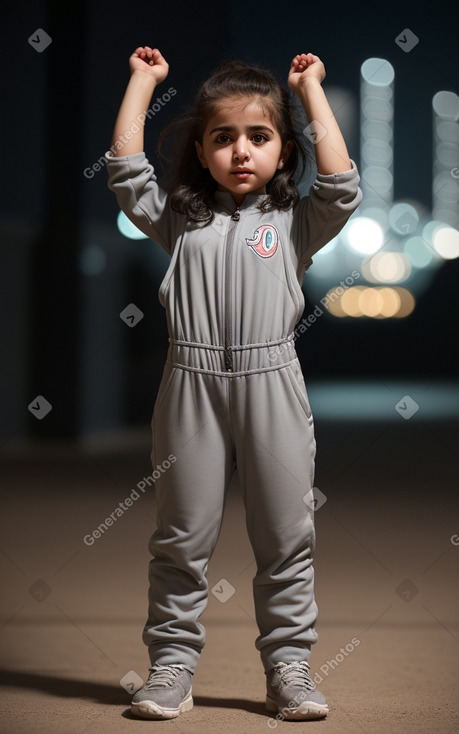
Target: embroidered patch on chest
(265, 240)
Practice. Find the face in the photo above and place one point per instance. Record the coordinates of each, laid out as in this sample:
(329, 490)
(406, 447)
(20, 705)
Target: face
(241, 147)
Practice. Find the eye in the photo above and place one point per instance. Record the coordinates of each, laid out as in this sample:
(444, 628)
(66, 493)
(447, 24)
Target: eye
(222, 138)
(259, 138)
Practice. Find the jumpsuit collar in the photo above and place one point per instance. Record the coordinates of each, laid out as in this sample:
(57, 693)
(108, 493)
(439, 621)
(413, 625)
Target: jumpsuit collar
(225, 200)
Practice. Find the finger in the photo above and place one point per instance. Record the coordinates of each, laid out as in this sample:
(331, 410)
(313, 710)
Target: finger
(301, 61)
(143, 52)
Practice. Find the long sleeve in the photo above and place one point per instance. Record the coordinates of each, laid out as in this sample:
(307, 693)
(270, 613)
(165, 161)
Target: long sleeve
(321, 216)
(133, 180)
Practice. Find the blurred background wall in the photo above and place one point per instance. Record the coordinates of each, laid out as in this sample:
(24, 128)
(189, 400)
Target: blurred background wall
(70, 365)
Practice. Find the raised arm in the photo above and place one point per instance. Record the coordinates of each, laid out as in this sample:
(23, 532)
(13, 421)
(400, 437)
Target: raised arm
(148, 68)
(305, 76)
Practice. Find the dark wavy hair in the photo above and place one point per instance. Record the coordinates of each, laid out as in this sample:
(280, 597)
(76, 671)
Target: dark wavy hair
(191, 187)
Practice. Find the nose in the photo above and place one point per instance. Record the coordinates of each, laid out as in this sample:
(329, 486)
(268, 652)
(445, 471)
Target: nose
(241, 149)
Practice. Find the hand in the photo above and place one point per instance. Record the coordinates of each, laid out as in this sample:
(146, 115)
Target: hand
(150, 61)
(303, 68)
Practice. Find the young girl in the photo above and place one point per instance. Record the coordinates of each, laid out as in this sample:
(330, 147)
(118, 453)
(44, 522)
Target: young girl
(232, 393)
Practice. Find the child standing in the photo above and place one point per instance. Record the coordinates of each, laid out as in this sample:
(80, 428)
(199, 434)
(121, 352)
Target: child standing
(232, 393)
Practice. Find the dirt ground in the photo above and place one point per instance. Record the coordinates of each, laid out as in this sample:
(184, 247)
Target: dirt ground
(386, 585)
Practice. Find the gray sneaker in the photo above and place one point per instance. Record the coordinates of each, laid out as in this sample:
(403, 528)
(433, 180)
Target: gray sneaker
(292, 693)
(166, 694)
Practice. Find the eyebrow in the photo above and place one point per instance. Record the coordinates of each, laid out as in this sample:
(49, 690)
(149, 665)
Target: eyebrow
(230, 128)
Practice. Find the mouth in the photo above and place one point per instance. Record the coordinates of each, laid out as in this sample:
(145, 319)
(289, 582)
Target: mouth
(242, 173)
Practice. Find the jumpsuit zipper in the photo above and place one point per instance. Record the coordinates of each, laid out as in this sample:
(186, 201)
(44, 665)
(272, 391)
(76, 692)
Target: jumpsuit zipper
(228, 283)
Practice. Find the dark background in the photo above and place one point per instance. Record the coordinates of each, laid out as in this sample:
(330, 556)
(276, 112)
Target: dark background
(61, 333)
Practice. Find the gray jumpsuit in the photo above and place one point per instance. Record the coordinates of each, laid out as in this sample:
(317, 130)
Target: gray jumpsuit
(233, 395)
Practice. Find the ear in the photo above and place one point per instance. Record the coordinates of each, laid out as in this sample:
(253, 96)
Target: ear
(200, 153)
(285, 153)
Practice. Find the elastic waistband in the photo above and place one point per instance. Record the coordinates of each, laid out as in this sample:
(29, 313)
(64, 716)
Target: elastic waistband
(236, 360)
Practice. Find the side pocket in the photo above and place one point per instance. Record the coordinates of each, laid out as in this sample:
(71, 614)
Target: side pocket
(169, 373)
(296, 378)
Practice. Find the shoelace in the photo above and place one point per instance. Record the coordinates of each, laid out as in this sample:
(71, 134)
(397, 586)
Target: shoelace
(296, 670)
(162, 675)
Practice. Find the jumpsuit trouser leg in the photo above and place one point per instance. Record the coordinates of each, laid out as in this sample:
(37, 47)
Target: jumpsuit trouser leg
(188, 421)
(275, 449)
(262, 420)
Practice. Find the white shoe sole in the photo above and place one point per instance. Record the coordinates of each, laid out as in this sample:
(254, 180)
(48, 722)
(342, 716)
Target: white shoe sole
(306, 710)
(151, 710)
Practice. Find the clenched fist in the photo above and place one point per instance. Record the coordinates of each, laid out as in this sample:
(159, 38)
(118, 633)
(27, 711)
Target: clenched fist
(149, 61)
